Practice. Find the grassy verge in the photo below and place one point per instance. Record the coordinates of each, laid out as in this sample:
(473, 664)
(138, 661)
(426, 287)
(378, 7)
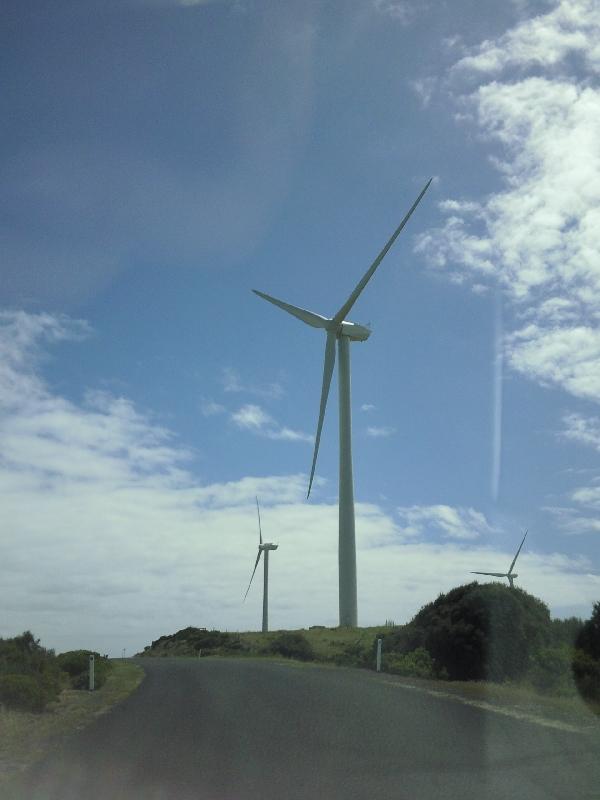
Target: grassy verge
(516, 700)
(25, 737)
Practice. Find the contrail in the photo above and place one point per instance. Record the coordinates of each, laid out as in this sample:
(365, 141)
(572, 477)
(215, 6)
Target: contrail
(497, 397)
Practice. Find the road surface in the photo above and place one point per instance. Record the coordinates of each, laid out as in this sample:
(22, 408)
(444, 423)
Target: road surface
(226, 729)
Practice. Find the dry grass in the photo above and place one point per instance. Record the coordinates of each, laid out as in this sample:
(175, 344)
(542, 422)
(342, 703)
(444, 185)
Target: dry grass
(26, 737)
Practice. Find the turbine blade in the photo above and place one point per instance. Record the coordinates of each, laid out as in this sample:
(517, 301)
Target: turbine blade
(253, 571)
(259, 528)
(328, 365)
(515, 558)
(342, 313)
(495, 574)
(316, 320)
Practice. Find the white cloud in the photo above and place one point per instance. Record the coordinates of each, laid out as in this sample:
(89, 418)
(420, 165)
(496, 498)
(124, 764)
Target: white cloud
(424, 88)
(568, 357)
(210, 409)
(253, 418)
(232, 383)
(573, 26)
(571, 521)
(454, 523)
(585, 430)
(403, 11)
(538, 236)
(367, 407)
(380, 432)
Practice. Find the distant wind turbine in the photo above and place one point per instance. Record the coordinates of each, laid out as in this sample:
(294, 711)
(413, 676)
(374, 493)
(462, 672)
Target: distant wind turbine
(339, 329)
(262, 548)
(510, 574)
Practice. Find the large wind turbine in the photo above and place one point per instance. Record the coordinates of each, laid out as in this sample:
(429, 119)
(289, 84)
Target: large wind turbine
(510, 574)
(339, 329)
(262, 548)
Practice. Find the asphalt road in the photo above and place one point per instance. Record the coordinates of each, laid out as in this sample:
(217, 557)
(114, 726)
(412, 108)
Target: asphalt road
(225, 729)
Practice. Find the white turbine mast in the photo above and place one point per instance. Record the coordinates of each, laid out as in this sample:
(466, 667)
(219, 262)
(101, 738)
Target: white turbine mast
(510, 574)
(342, 331)
(263, 547)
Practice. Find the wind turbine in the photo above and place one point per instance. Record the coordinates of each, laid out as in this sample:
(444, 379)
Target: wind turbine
(510, 574)
(262, 548)
(339, 329)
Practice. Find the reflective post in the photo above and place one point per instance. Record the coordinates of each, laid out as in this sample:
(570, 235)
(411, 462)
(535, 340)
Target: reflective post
(91, 672)
(379, 644)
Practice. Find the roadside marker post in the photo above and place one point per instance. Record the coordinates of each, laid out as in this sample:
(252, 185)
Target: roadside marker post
(91, 672)
(379, 643)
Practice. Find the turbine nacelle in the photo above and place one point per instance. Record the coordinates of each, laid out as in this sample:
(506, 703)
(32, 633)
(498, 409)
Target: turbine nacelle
(268, 546)
(354, 332)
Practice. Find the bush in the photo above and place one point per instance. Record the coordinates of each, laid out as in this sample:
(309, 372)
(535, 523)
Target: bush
(477, 632)
(189, 641)
(354, 654)
(22, 692)
(588, 639)
(551, 670)
(586, 671)
(416, 664)
(292, 645)
(23, 656)
(76, 664)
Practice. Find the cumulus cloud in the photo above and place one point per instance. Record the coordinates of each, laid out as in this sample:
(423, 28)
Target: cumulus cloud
(585, 430)
(454, 523)
(539, 235)
(572, 27)
(253, 418)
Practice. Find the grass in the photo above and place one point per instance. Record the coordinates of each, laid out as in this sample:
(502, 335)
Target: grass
(515, 699)
(26, 737)
(326, 642)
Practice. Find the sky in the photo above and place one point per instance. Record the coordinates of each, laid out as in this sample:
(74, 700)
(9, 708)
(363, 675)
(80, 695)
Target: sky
(160, 159)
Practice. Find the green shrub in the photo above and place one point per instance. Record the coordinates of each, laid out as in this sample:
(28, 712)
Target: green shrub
(565, 631)
(22, 692)
(24, 656)
(416, 664)
(190, 641)
(588, 639)
(586, 671)
(550, 670)
(477, 632)
(353, 654)
(292, 645)
(76, 664)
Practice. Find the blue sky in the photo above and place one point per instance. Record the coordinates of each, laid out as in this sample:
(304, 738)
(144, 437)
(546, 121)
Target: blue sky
(160, 159)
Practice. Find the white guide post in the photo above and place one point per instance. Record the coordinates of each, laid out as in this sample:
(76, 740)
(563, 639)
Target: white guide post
(265, 620)
(91, 672)
(378, 665)
(347, 543)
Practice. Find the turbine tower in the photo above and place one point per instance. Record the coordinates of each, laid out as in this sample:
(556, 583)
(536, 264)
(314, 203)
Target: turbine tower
(510, 574)
(262, 548)
(342, 331)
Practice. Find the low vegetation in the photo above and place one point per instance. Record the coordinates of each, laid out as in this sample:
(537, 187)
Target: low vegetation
(32, 676)
(474, 633)
(26, 736)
